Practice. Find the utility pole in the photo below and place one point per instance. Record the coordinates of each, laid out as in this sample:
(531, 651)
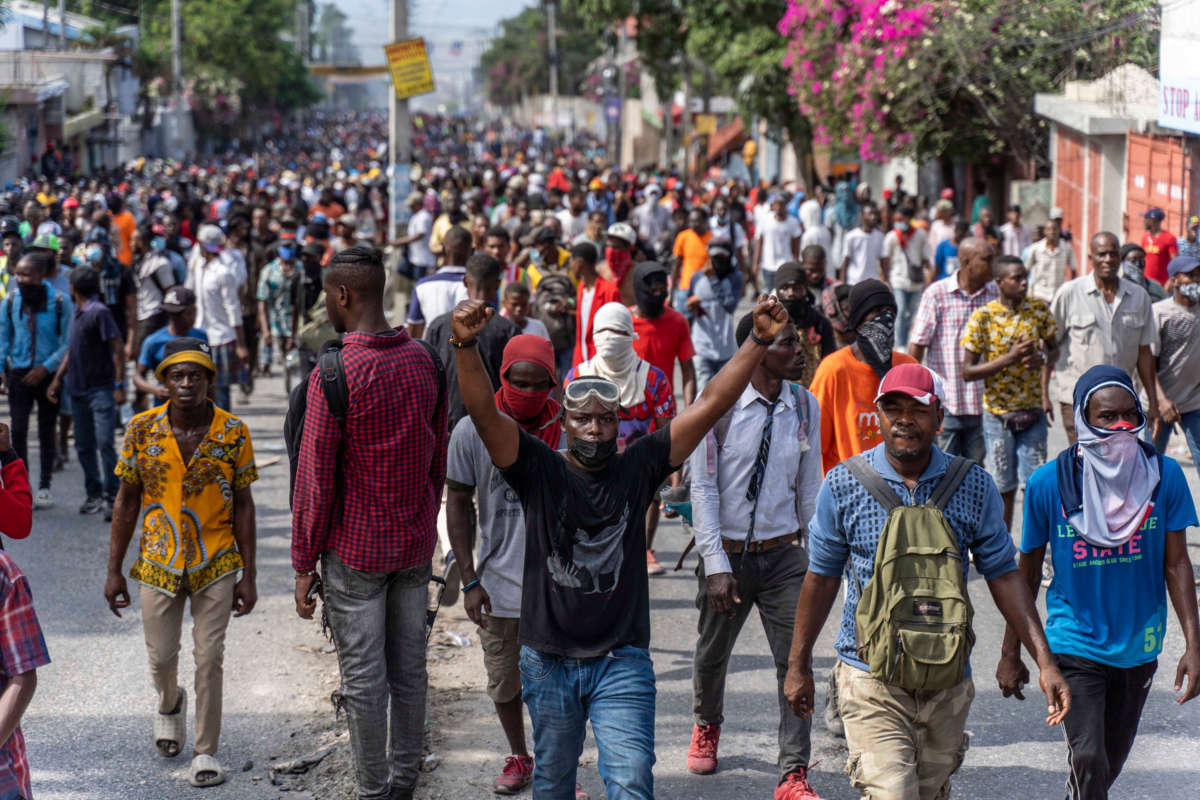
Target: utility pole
(177, 79)
(399, 137)
(552, 39)
(62, 24)
(45, 24)
(621, 88)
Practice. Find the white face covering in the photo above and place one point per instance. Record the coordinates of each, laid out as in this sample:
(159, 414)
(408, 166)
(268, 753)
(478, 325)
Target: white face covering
(1119, 480)
(615, 358)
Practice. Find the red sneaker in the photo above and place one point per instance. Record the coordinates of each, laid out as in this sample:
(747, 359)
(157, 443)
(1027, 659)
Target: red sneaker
(516, 775)
(652, 565)
(796, 787)
(702, 757)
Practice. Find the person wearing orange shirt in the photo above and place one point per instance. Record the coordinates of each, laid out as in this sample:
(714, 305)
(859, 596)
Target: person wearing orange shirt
(690, 255)
(126, 226)
(847, 381)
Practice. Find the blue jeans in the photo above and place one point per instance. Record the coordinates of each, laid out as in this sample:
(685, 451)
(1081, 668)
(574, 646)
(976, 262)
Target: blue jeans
(768, 280)
(1013, 455)
(377, 620)
(223, 398)
(907, 301)
(95, 421)
(962, 435)
(616, 692)
(705, 369)
(1190, 422)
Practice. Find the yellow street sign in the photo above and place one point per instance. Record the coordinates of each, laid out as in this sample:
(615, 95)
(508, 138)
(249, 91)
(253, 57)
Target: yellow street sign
(409, 65)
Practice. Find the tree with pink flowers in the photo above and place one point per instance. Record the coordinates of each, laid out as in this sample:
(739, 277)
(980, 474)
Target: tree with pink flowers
(950, 77)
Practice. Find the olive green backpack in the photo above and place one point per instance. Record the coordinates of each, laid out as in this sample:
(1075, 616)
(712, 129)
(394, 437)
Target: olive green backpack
(914, 616)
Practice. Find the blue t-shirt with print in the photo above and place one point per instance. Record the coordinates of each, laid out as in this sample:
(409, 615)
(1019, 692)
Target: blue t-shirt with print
(1106, 604)
(844, 531)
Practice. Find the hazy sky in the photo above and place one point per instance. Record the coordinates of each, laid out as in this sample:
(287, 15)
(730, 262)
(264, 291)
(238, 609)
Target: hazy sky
(441, 22)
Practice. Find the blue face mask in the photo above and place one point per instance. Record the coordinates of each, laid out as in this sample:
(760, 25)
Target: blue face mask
(287, 253)
(95, 254)
(158, 244)
(901, 226)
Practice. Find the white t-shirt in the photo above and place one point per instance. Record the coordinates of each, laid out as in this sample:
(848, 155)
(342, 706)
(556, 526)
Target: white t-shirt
(777, 236)
(536, 327)
(900, 256)
(585, 315)
(864, 250)
(817, 234)
(418, 251)
(572, 226)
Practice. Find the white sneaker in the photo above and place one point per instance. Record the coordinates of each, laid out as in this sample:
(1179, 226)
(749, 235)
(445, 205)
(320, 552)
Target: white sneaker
(44, 499)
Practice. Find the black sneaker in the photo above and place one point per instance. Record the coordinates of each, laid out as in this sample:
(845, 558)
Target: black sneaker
(108, 509)
(93, 505)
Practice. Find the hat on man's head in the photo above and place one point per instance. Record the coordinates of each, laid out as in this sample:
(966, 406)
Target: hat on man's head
(1155, 213)
(313, 249)
(1056, 213)
(544, 234)
(185, 350)
(915, 380)
(46, 241)
(211, 238)
(865, 297)
(177, 299)
(1180, 264)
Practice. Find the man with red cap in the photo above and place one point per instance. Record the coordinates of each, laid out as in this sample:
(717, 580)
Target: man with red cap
(492, 586)
(918, 510)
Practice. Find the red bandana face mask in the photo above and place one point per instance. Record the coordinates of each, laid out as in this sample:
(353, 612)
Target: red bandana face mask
(619, 261)
(523, 406)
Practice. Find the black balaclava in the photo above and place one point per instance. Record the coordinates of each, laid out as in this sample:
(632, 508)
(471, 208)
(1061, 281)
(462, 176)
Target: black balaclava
(645, 274)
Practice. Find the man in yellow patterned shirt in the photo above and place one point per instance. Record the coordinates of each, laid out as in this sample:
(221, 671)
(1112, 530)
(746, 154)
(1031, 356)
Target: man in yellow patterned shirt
(1009, 345)
(188, 466)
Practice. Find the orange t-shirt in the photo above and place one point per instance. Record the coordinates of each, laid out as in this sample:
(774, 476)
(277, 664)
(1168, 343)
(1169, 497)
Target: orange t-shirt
(845, 388)
(693, 250)
(126, 225)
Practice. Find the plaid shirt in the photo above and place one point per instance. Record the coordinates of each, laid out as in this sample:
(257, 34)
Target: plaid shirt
(945, 309)
(392, 463)
(22, 649)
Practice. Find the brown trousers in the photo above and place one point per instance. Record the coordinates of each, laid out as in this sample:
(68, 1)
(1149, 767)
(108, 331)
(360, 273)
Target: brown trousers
(162, 619)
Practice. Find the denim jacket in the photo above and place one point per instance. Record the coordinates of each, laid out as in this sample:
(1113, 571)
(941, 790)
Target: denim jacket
(16, 344)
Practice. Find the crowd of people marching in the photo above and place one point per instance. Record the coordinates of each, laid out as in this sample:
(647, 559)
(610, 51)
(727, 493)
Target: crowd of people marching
(835, 392)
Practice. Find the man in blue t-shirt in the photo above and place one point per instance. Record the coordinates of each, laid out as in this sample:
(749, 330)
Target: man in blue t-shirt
(945, 257)
(1114, 516)
(180, 304)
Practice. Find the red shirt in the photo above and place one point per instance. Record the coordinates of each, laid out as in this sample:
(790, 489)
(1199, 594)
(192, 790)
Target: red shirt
(1160, 250)
(392, 459)
(663, 340)
(605, 292)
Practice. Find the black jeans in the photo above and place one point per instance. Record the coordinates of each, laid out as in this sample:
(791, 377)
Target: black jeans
(1106, 704)
(21, 399)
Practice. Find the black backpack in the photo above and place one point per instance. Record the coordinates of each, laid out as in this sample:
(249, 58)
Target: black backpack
(332, 374)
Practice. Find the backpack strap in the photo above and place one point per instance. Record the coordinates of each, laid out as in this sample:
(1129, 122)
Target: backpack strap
(333, 382)
(948, 485)
(873, 482)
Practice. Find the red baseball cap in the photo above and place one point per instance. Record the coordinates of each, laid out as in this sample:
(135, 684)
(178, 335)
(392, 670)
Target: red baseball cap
(918, 382)
(70, 202)
(947, 193)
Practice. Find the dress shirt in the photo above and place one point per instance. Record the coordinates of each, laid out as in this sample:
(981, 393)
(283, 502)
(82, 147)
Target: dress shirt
(721, 474)
(941, 317)
(218, 310)
(1091, 332)
(1048, 267)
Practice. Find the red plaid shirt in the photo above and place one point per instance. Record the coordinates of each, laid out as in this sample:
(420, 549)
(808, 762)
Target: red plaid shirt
(944, 311)
(22, 649)
(393, 461)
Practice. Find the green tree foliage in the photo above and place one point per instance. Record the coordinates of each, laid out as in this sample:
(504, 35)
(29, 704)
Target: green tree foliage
(517, 63)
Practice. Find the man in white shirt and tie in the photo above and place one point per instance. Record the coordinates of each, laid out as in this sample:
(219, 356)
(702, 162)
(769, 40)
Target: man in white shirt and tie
(754, 483)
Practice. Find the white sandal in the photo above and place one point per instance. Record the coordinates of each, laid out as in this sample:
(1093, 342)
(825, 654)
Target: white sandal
(206, 771)
(170, 730)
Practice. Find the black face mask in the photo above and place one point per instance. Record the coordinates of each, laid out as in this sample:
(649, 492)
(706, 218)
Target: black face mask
(875, 339)
(593, 454)
(650, 304)
(33, 296)
(799, 309)
(723, 266)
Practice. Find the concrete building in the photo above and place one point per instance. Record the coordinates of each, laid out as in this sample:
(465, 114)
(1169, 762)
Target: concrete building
(1111, 160)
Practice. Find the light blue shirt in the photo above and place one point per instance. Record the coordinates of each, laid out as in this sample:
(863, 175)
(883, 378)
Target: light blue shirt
(844, 531)
(16, 344)
(712, 331)
(1106, 604)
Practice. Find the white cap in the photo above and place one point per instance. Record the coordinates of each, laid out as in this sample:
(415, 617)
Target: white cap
(622, 231)
(1056, 213)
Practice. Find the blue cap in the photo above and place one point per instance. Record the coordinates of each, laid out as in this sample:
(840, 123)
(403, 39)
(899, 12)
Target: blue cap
(1155, 213)
(1180, 264)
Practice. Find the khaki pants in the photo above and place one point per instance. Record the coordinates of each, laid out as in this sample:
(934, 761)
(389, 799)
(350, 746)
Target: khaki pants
(903, 745)
(162, 619)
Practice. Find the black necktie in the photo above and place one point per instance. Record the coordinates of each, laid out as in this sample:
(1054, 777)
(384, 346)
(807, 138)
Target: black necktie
(760, 464)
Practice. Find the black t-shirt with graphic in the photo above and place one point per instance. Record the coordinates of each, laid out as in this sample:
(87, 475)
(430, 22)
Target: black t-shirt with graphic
(585, 587)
